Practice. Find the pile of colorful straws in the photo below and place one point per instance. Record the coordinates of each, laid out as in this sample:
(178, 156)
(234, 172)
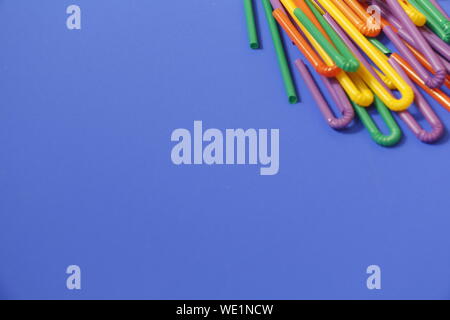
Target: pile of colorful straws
(339, 40)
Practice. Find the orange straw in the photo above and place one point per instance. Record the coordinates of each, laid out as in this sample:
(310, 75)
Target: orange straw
(304, 46)
(436, 94)
(359, 19)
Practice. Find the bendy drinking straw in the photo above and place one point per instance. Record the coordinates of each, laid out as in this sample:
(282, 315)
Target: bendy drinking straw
(251, 24)
(427, 64)
(379, 45)
(436, 94)
(409, 55)
(437, 128)
(281, 55)
(344, 105)
(395, 133)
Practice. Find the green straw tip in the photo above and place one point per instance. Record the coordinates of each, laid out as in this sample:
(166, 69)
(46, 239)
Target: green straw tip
(293, 99)
(254, 45)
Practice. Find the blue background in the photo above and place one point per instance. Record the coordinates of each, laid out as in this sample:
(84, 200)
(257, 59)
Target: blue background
(86, 176)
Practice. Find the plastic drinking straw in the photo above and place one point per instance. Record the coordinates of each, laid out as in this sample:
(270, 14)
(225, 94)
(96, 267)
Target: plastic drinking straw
(426, 64)
(345, 107)
(436, 94)
(379, 45)
(318, 7)
(408, 55)
(421, 44)
(360, 19)
(437, 128)
(251, 24)
(379, 59)
(389, 84)
(434, 16)
(339, 54)
(296, 37)
(413, 13)
(436, 43)
(438, 7)
(304, 7)
(395, 133)
(276, 4)
(303, 45)
(356, 90)
(281, 55)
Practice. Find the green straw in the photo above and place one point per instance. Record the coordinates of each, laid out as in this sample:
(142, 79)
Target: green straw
(394, 131)
(379, 45)
(434, 12)
(343, 58)
(251, 24)
(435, 20)
(281, 55)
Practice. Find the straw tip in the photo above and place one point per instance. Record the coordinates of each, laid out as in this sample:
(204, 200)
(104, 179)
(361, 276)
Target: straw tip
(293, 99)
(254, 45)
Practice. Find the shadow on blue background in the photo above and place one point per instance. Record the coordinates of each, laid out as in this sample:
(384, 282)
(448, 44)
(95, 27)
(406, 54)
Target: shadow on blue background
(86, 176)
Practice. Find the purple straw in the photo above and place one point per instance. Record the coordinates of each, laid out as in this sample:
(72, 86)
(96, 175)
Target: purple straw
(430, 116)
(404, 50)
(422, 44)
(410, 40)
(437, 43)
(336, 94)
